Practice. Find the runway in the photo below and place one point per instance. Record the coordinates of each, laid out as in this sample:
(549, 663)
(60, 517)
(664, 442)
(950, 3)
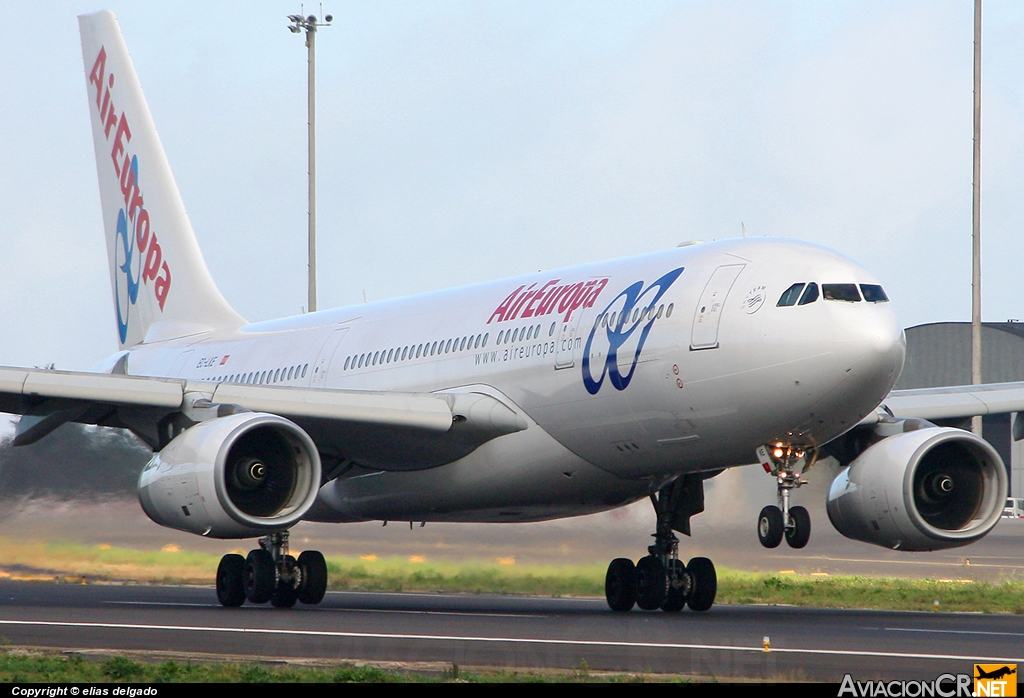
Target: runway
(513, 632)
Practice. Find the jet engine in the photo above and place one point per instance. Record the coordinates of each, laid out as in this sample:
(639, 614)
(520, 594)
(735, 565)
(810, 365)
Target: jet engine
(928, 489)
(238, 476)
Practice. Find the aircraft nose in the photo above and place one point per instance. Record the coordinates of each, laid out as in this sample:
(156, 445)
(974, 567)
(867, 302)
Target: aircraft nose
(872, 351)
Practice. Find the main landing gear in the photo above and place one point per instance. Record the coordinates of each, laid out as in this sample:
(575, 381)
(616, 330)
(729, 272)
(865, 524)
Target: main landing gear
(661, 580)
(269, 573)
(774, 522)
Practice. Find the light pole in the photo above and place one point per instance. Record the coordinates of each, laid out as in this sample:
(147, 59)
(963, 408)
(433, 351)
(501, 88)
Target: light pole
(310, 24)
(976, 219)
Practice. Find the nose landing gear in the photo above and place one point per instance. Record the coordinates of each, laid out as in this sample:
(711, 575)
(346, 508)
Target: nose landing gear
(661, 580)
(269, 573)
(775, 522)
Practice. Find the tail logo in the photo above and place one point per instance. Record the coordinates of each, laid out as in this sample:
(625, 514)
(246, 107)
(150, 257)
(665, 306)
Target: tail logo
(636, 308)
(139, 255)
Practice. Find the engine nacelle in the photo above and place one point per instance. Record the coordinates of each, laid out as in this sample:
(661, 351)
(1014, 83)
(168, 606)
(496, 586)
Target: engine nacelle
(929, 489)
(238, 476)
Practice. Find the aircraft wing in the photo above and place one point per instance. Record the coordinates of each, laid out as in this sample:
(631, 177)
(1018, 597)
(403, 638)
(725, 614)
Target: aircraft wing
(376, 429)
(952, 402)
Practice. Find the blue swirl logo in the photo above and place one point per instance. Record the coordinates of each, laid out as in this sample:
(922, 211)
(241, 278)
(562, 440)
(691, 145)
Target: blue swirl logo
(124, 241)
(618, 326)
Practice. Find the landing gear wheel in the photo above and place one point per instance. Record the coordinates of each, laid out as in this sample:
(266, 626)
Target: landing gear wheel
(679, 587)
(230, 572)
(314, 577)
(770, 526)
(259, 577)
(705, 584)
(620, 585)
(799, 533)
(651, 583)
(285, 594)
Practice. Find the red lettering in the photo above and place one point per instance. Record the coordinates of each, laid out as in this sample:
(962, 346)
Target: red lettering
(592, 296)
(111, 122)
(106, 103)
(546, 305)
(528, 311)
(96, 75)
(163, 284)
(519, 304)
(123, 132)
(568, 302)
(153, 261)
(142, 227)
(137, 201)
(500, 311)
(128, 177)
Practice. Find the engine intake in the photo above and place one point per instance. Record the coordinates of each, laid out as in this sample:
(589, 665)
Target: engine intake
(929, 489)
(238, 476)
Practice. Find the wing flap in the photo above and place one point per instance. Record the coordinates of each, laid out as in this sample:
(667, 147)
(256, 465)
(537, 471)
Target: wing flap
(409, 410)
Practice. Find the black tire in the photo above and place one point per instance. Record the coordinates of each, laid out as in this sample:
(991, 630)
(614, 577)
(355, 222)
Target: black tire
(770, 527)
(314, 577)
(259, 578)
(705, 584)
(230, 572)
(678, 589)
(651, 583)
(800, 532)
(620, 585)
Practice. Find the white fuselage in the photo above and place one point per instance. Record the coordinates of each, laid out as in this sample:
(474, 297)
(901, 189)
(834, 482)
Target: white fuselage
(628, 373)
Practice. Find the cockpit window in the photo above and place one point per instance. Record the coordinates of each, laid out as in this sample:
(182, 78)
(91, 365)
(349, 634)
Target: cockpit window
(874, 293)
(840, 292)
(790, 295)
(810, 294)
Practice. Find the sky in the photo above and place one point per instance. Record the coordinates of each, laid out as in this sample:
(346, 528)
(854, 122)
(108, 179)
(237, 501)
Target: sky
(465, 141)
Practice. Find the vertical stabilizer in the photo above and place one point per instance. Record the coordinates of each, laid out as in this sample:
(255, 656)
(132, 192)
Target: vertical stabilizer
(162, 288)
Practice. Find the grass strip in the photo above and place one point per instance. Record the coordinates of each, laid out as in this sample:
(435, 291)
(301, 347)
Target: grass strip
(69, 562)
(19, 666)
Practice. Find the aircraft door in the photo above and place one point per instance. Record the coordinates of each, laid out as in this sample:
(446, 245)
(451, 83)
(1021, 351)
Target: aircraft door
(323, 359)
(565, 347)
(708, 313)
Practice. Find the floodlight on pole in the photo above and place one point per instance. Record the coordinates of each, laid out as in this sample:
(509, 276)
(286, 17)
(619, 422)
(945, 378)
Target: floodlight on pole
(309, 24)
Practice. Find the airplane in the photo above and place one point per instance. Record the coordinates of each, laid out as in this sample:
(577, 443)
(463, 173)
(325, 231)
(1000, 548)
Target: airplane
(554, 394)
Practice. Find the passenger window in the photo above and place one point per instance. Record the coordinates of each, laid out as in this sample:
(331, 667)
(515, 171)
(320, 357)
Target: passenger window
(433, 348)
(668, 310)
(448, 347)
(304, 370)
(810, 294)
(873, 293)
(346, 363)
(486, 335)
(552, 330)
(841, 292)
(277, 374)
(790, 295)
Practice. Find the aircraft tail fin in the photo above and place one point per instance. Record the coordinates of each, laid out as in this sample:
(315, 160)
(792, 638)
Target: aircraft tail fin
(162, 288)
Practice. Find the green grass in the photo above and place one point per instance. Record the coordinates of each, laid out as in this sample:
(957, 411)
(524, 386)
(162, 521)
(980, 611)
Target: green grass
(103, 563)
(20, 666)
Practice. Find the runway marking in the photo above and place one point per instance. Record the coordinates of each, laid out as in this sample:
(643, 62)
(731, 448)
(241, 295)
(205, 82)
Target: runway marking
(342, 610)
(162, 603)
(436, 613)
(509, 640)
(953, 632)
